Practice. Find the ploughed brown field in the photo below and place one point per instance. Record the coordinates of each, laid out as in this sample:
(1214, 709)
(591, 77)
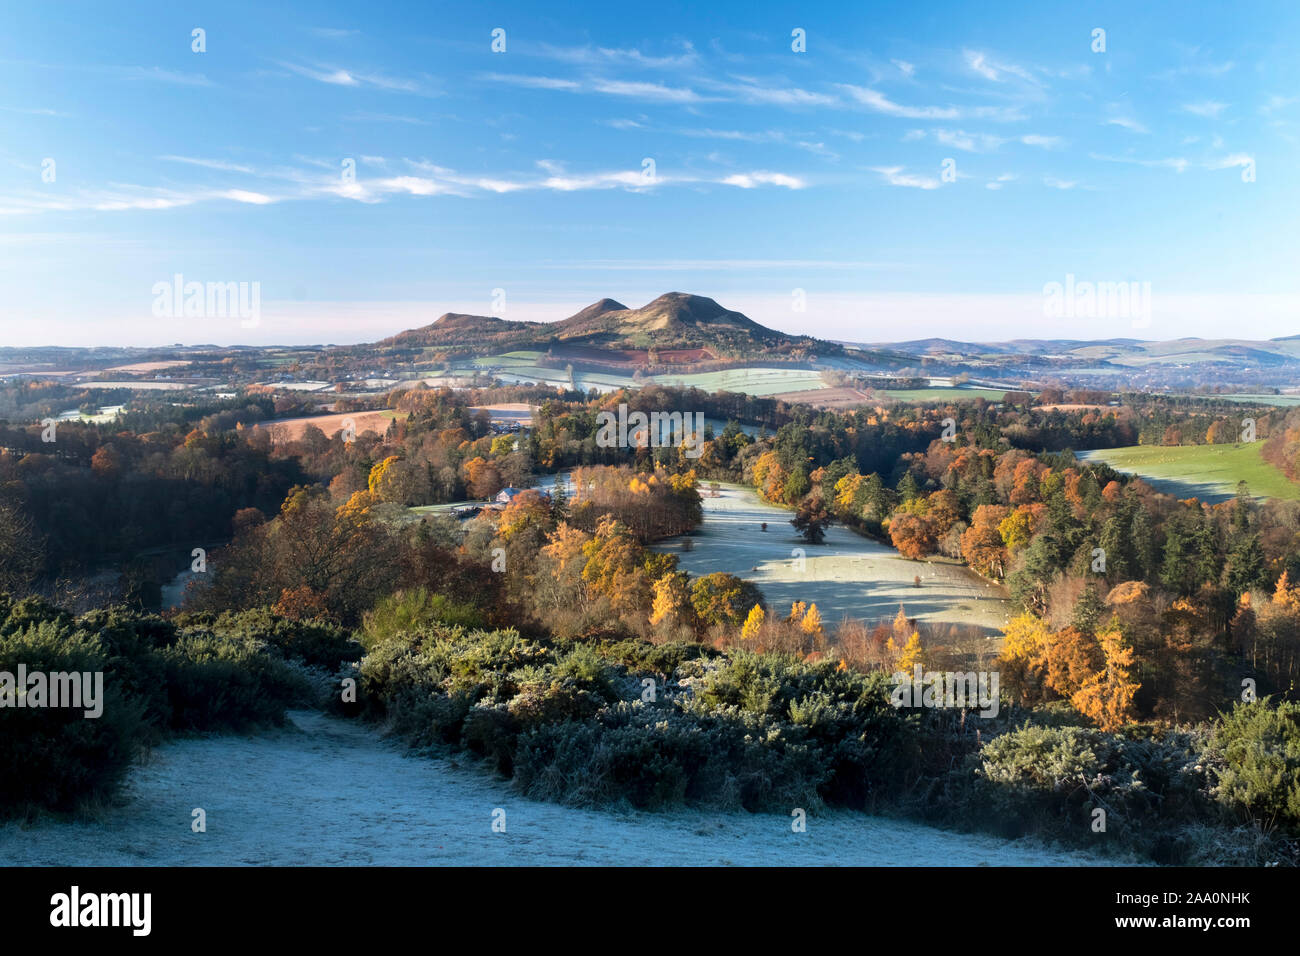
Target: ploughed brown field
(837, 397)
(292, 429)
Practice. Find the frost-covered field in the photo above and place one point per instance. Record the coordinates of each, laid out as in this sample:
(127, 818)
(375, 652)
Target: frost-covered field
(329, 792)
(848, 574)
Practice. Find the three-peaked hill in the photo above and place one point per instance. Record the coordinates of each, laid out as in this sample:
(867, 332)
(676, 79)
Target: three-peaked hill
(674, 322)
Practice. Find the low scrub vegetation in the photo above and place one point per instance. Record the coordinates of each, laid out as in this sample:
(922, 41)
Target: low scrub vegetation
(602, 722)
(234, 672)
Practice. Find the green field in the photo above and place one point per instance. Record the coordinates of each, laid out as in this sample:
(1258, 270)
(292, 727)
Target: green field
(1280, 401)
(509, 359)
(942, 394)
(1207, 472)
(753, 380)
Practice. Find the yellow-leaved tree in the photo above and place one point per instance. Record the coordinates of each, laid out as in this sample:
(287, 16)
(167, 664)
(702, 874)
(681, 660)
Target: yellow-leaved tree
(902, 626)
(1020, 662)
(1107, 696)
(812, 621)
(672, 601)
(753, 623)
(913, 654)
(1286, 595)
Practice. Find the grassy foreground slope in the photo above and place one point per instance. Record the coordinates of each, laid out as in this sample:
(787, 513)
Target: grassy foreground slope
(1207, 472)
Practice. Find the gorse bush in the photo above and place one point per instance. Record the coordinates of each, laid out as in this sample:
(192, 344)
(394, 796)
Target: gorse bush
(576, 722)
(1152, 785)
(1259, 745)
(55, 757)
(653, 757)
(1041, 758)
(312, 643)
(573, 722)
(217, 683)
(232, 673)
(412, 609)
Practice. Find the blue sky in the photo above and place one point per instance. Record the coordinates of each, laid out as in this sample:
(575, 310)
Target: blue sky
(825, 171)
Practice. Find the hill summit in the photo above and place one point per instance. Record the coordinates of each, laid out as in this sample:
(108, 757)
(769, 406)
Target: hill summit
(675, 320)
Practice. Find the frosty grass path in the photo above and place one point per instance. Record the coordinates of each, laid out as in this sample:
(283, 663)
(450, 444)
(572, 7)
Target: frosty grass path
(328, 791)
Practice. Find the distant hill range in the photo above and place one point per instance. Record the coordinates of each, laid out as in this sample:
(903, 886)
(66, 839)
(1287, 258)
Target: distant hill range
(1134, 353)
(682, 333)
(1110, 363)
(673, 323)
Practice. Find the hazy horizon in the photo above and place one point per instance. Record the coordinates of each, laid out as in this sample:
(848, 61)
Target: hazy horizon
(986, 320)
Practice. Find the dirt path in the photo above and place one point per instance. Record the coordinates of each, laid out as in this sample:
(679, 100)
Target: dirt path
(331, 792)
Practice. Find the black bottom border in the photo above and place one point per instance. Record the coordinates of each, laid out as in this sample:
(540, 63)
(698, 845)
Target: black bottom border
(337, 904)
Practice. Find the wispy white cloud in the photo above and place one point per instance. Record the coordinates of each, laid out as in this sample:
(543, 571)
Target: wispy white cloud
(116, 199)
(1128, 123)
(897, 176)
(341, 77)
(1046, 142)
(1210, 109)
(602, 56)
(120, 72)
(1230, 162)
(752, 90)
(336, 77)
(741, 90)
(534, 82)
(1176, 163)
(778, 136)
(970, 142)
(247, 196)
(425, 180)
(32, 112)
(219, 164)
(879, 102)
(1275, 103)
(1195, 68)
(990, 69)
(385, 118)
(981, 142)
(711, 265)
(162, 76)
(762, 178)
(657, 92)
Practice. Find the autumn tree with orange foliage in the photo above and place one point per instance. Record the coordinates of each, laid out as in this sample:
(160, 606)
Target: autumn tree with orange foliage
(1106, 697)
(483, 478)
(982, 546)
(913, 535)
(1069, 658)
